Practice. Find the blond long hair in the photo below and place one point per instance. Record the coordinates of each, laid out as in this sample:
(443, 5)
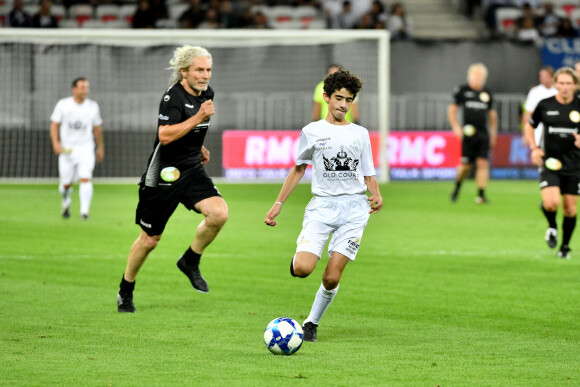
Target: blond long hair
(183, 57)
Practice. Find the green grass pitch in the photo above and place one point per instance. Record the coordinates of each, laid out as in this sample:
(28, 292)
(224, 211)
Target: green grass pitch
(440, 294)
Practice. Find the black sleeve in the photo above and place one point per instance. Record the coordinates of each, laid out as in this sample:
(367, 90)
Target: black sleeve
(536, 117)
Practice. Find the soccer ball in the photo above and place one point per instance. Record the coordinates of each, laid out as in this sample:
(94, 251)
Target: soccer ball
(283, 336)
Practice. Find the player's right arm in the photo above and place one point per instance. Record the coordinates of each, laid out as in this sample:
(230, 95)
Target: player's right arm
(290, 183)
(171, 133)
(537, 153)
(453, 121)
(56, 147)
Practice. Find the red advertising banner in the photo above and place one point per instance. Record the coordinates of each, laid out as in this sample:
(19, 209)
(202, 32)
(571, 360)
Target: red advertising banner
(423, 150)
(510, 151)
(277, 149)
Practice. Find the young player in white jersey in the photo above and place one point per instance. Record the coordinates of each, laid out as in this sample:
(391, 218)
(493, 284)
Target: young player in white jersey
(342, 172)
(75, 129)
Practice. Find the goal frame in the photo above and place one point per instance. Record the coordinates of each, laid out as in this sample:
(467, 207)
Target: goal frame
(227, 38)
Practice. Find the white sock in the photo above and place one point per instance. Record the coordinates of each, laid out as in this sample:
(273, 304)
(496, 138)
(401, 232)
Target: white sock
(86, 195)
(66, 195)
(321, 303)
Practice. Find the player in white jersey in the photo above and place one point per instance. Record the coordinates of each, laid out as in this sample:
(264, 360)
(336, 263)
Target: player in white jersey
(75, 129)
(537, 93)
(342, 172)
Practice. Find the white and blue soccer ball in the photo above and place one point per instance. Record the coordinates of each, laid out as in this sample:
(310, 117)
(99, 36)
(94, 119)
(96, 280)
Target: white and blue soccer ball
(283, 336)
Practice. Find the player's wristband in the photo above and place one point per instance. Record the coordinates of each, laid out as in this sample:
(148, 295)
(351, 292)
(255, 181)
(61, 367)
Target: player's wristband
(280, 203)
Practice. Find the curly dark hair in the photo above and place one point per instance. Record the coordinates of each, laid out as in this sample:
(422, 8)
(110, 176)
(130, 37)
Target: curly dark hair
(342, 78)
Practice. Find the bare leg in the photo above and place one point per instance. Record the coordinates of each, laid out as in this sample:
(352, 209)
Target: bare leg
(215, 211)
(482, 173)
(139, 253)
(462, 172)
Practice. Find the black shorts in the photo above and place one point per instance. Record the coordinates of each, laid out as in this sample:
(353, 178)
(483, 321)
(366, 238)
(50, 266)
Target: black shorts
(569, 185)
(157, 204)
(473, 148)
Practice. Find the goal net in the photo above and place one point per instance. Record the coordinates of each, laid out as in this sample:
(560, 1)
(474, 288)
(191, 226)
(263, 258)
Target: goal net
(264, 81)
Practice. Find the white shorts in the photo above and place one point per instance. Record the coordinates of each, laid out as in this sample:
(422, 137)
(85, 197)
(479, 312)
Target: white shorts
(76, 163)
(345, 217)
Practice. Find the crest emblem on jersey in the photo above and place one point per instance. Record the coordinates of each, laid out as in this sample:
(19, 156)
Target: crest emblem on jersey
(484, 97)
(340, 162)
(170, 174)
(575, 116)
(166, 98)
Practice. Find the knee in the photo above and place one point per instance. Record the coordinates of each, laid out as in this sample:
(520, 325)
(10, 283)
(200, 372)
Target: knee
(149, 242)
(569, 211)
(331, 280)
(551, 205)
(217, 217)
(302, 270)
(482, 164)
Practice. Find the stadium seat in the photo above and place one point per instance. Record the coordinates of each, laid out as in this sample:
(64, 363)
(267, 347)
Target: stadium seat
(31, 9)
(176, 10)
(107, 12)
(81, 13)
(506, 18)
(121, 23)
(305, 14)
(568, 8)
(575, 17)
(286, 24)
(68, 23)
(280, 13)
(166, 23)
(4, 11)
(94, 23)
(58, 11)
(126, 12)
(316, 24)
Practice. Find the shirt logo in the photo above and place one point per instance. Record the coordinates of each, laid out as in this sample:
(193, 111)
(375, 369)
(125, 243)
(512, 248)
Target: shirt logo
(574, 116)
(189, 106)
(484, 97)
(552, 113)
(163, 118)
(341, 162)
(166, 98)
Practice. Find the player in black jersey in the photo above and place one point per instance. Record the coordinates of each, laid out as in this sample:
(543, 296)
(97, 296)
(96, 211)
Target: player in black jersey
(175, 172)
(476, 102)
(558, 156)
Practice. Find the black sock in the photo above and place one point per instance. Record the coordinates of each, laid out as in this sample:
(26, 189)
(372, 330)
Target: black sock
(126, 286)
(568, 225)
(481, 192)
(550, 216)
(457, 185)
(191, 257)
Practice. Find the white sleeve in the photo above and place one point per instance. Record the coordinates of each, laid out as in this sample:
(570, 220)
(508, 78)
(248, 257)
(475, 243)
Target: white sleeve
(56, 115)
(97, 120)
(531, 101)
(367, 165)
(304, 153)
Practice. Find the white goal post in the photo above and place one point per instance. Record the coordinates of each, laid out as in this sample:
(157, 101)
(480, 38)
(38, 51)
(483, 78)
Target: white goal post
(250, 71)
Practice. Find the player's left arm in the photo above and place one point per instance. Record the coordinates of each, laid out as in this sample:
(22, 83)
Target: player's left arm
(204, 155)
(100, 151)
(492, 127)
(577, 140)
(376, 200)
